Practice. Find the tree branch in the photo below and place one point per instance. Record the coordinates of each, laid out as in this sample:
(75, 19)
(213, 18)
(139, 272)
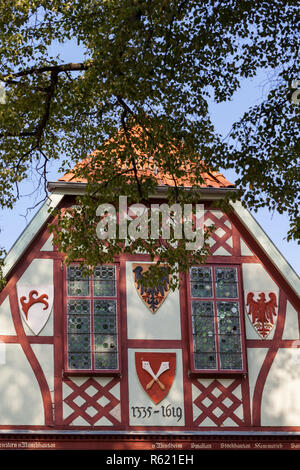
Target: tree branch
(43, 122)
(55, 70)
(70, 67)
(125, 111)
(45, 117)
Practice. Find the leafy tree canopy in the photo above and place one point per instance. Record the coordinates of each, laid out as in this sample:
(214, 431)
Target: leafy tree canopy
(141, 97)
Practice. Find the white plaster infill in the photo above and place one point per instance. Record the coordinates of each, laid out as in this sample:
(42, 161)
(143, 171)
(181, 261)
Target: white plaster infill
(30, 232)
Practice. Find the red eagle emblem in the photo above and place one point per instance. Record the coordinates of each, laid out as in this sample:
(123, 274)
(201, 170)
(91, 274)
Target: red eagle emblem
(156, 373)
(262, 312)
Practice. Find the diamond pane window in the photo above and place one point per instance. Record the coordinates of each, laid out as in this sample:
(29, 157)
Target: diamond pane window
(92, 326)
(217, 340)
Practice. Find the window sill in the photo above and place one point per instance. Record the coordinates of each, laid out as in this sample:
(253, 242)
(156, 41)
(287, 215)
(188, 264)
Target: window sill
(89, 373)
(217, 373)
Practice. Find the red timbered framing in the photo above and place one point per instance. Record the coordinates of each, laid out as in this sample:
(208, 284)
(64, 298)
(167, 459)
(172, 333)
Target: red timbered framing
(53, 411)
(92, 401)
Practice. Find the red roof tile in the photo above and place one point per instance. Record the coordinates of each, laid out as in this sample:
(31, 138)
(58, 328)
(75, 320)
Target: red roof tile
(211, 179)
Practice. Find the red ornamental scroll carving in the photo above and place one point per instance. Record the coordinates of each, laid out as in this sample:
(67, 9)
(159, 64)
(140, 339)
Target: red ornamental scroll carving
(33, 300)
(262, 313)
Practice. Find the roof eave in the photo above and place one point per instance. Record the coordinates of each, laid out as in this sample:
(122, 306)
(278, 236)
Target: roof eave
(69, 188)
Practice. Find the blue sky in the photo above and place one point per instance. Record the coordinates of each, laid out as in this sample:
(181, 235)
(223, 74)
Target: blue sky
(13, 222)
(224, 115)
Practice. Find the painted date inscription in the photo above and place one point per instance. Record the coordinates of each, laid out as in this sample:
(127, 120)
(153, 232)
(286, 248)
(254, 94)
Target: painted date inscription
(146, 412)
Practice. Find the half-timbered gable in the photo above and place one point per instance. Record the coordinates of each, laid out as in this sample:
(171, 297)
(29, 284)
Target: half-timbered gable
(99, 361)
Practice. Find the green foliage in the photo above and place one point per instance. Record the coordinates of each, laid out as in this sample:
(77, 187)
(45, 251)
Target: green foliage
(152, 65)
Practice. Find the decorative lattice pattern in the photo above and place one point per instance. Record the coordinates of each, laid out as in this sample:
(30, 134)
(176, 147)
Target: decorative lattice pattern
(92, 402)
(221, 242)
(217, 403)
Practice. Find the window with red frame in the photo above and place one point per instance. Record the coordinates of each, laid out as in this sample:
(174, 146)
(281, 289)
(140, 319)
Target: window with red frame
(92, 319)
(217, 336)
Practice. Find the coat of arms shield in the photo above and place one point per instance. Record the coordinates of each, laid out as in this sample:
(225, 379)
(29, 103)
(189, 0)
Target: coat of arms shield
(35, 305)
(153, 297)
(262, 311)
(156, 373)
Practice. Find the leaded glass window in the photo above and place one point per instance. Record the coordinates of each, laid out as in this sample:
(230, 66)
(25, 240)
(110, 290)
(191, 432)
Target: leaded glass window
(226, 282)
(92, 330)
(204, 336)
(104, 282)
(201, 282)
(216, 323)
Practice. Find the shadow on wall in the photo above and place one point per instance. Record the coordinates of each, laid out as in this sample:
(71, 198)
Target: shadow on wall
(21, 399)
(280, 400)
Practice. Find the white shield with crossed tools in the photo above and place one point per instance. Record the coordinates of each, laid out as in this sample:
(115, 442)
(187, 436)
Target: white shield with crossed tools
(156, 372)
(163, 367)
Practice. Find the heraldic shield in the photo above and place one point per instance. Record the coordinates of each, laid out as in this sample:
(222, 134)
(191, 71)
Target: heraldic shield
(153, 297)
(35, 305)
(156, 373)
(262, 312)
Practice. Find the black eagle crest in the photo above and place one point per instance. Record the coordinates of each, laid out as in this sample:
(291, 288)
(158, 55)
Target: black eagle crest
(152, 296)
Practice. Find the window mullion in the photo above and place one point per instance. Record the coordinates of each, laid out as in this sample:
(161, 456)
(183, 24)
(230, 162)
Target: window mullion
(92, 322)
(225, 318)
(217, 339)
(85, 344)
